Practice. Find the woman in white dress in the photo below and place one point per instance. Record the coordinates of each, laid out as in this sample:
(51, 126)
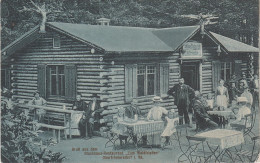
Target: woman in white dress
(155, 113)
(221, 95)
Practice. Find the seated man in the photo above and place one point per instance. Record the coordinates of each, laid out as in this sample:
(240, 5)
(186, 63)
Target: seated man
(241, 111)
(94, 113)
(204, 121)
(132, 110)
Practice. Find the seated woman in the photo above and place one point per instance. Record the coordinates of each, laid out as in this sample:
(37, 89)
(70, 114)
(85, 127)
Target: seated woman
(79, 120)
(156, 113)
(172, 122)
(248, 96)
(241, 111)
(203, 119)
(37, 100)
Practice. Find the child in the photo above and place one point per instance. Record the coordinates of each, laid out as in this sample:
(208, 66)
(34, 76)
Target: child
(172, 121)
(210, 101)
(123, 134)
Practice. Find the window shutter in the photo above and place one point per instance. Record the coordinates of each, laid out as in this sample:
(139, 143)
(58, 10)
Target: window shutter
(130, 82)
(164, 78)
(70, 73)
(237, 68)
(216, 68)
(48, 81)
(42, 80)
(8, 78)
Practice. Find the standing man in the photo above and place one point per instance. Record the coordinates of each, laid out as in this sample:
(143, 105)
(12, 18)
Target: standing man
(182, 93)
(255, 91)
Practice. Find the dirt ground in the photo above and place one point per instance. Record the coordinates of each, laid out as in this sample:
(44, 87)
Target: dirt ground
(94, 151)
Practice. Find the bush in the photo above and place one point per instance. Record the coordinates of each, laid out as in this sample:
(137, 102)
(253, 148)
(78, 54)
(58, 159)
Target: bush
(18, 138)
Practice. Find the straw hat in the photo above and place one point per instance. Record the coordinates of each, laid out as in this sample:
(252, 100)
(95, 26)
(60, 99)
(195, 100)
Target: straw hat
(241, 99)
(157, 98)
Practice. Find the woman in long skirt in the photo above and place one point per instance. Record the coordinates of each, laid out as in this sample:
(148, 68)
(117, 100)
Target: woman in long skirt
(221, 95)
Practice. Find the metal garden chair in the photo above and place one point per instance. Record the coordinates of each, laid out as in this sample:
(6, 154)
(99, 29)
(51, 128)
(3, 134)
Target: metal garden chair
(250, 155)
(199, 149)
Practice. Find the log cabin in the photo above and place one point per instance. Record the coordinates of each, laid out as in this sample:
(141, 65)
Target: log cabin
(120, 63)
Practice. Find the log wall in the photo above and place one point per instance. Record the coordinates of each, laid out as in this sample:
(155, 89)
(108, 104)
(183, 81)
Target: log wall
(97, 74)
(24, 68)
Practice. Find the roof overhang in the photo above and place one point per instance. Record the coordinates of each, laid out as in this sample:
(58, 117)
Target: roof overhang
(21, 42)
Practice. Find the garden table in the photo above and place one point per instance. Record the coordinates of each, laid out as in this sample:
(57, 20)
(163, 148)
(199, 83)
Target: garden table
(142, 128)
(223, 138)
(222, 115)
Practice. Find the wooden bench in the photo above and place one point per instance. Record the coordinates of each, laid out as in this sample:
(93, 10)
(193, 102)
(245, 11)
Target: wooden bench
(53, 117)
(57, 111)
(54, 128)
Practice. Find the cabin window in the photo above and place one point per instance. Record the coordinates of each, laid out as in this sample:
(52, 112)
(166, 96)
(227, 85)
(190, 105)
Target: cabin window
(146, 80)
(57, 81)
(226, 70)
(56, 42)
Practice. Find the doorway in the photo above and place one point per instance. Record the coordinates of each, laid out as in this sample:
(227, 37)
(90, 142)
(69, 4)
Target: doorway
(190, 72)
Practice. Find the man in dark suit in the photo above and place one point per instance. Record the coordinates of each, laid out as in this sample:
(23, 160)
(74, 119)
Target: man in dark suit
(132, 110)
(204, 120)
(182, 94)
(94, 114)
(255, 91)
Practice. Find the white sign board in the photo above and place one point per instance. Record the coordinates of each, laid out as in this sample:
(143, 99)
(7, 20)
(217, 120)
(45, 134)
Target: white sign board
(192, 49)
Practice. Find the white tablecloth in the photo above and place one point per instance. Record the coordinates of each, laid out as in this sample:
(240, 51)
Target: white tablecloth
(145, 127)
(224, 113)
(223, 137)
(75, 118)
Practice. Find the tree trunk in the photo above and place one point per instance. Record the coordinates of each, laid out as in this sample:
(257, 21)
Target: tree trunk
(44, 19)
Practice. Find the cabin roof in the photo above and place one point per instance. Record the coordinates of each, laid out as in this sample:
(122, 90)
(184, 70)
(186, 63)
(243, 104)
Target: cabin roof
(21, 42)
(128, 39)
(233, 45)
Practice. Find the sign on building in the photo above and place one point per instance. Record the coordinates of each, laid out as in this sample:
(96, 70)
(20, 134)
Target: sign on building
(192, 49)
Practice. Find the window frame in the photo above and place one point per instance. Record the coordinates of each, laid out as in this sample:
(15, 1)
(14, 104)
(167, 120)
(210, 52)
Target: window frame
(49, 84)
(57, 38)
(225, 70)
(146, 78)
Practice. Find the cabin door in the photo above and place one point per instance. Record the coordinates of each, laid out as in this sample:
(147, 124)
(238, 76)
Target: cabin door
(190, 73)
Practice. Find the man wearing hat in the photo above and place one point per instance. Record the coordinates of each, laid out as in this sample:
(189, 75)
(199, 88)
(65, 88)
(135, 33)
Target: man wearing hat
(204, 120)
(94, 113)
(241, 111)
(182, 94)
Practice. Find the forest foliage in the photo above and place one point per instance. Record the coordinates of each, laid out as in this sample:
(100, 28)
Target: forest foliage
(238, 19)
